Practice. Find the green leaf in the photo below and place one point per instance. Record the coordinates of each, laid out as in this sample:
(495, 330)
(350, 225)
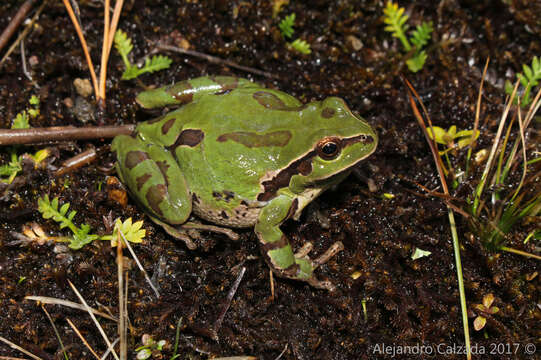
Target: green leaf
(123, 43)
(34, 100)
(439, 132)
(479, 323)
(132, 231)
(396, 20)
(419, 253)
(21, 121)
(286, 25)
(416, 63)
(49, 209)
(156, 63)
(421, 34)
(301, 46)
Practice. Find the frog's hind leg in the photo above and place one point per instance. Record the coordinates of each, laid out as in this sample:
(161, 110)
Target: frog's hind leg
(154, 179)
(186, 91)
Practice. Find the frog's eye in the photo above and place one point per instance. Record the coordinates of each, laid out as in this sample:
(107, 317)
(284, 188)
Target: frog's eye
(329, 148)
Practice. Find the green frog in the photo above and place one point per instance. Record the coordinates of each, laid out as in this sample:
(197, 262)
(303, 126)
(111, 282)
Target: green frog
(239, 155)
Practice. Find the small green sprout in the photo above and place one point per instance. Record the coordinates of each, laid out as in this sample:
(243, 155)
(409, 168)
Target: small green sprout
(485, 308)
(124, 46)
(528, 79)
(149, 346)
(449, 137)
(396, 20)
(9, 171)
(286, 25)
(286, 28)
(419, 253)
(21, 280)
(49, 210)
(132, 231)
(81, 235)
(21, 121)
(301, 46)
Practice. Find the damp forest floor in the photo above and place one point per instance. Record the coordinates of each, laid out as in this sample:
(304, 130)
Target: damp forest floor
(383, 297)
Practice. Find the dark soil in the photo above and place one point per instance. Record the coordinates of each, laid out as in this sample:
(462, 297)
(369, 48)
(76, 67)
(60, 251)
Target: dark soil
(391, 301)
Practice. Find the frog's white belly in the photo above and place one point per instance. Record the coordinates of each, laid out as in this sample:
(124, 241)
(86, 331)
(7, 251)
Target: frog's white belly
(242, 216)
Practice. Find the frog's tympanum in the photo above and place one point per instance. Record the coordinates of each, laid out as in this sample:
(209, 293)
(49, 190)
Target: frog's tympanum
(240, 155)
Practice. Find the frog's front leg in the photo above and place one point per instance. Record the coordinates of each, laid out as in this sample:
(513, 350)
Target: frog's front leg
(277, 249)
(156, 181)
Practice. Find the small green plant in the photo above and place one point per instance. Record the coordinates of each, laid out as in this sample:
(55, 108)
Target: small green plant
(81, 235)
(453, 140)
(286, 25)
(396, 20)
(50, 210)
(124, 46)
(301, 46)
(529, 79)
(9, 171)
(132, 231)
(483, 310)
(149, 347)
(286, 28)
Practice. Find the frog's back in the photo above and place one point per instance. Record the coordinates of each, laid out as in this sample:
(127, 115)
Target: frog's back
(230, 140)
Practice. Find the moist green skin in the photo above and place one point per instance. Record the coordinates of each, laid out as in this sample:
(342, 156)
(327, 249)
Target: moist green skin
(240, 155)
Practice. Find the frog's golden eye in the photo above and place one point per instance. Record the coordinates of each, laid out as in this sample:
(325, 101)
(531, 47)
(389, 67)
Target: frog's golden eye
(329, 148)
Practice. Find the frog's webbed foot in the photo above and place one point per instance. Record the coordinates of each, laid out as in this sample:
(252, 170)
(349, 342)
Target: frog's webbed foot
(187, 232)
(212, 228)
(302, 256)
(178, 234)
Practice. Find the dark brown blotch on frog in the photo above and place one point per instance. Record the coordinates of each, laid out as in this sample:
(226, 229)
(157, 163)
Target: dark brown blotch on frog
(188, 137)
(301, 166)
(141, 180)
(167, 126)
(134, 158)
(155, 196)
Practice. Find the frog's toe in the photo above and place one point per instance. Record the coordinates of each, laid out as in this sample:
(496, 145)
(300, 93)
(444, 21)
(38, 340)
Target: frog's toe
(212, 228)
(331, 251)
(176, 233)
(321, 284)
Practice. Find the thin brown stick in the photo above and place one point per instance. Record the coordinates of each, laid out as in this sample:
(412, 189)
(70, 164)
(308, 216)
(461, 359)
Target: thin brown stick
(214, 60)
(77, 161)
(114, 24)
(82, 300)
(121, 305)
(15, 22)
(67, 303)
(25, 32)
(227, 303)
(17, 347)
(84, 46)
(61, 133)
(82, 338)
(104, 55)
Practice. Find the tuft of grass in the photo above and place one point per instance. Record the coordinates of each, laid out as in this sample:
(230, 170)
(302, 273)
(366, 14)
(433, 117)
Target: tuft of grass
(396, 23)
(124, 46)
(286, 25)
(529, 78)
